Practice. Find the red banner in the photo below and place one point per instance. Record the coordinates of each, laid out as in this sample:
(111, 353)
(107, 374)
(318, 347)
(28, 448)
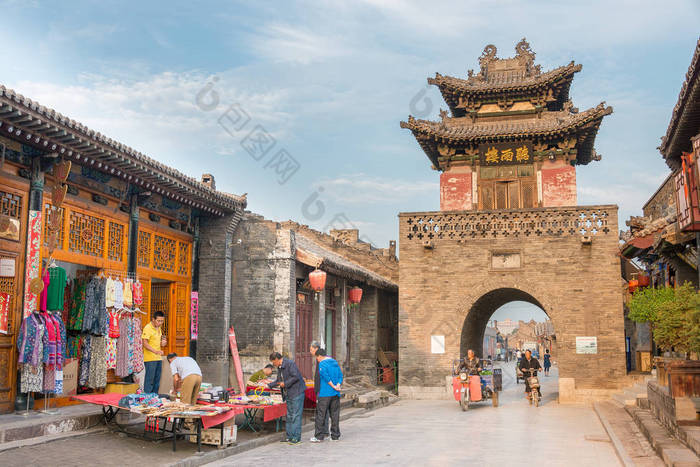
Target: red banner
(4, 312)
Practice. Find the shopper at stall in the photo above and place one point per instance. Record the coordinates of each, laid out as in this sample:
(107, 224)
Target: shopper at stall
(328, 402)
(153, 340)
(292, 383)
(313, 348)
(187, 377)
(261, 375)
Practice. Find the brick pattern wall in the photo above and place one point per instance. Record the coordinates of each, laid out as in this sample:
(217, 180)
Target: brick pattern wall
(214, 297)
(576, 284)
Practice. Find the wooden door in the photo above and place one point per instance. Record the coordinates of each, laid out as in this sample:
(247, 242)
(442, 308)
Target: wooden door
(13, 206)
(330, 323)
(180, 319)
(303, 334)
(160, 301)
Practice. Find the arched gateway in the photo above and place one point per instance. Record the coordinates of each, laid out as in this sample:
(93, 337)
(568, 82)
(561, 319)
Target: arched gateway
(478, 316)
(509, 229)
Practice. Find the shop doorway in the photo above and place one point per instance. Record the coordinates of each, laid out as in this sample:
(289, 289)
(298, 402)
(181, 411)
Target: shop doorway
(171, 299)
(330, 323)
(303, 333)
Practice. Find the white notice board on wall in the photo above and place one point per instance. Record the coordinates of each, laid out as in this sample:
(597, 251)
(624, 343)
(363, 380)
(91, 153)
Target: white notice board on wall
(587, 344)
(437, 344)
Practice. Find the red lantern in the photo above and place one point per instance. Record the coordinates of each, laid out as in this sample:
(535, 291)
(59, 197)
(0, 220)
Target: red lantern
(644, 281)
(317, 279)
(355, 295)
(633, 285)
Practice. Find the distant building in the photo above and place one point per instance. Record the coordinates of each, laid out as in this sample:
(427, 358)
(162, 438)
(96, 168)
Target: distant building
(506, 327)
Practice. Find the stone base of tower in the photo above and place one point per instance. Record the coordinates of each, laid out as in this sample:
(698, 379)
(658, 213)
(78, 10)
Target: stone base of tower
(458, 267)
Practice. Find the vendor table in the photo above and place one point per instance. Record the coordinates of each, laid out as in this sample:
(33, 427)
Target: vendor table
(110, 408)
(251, 411)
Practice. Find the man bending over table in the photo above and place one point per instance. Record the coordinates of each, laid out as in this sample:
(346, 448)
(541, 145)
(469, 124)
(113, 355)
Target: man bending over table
(187, 377)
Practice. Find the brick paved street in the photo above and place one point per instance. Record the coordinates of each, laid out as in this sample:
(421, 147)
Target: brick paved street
(439, 433)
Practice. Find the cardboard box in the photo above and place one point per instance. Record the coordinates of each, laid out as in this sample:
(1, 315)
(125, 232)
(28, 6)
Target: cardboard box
(212, 436)
(70, 377)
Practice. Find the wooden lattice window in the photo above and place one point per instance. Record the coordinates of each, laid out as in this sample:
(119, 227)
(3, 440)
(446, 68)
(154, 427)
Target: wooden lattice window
(86, 234)
(529, 194)
(183, 258)
(144, 249)
(11, 205)
(164, 253)
(115, 250)
(53, 217)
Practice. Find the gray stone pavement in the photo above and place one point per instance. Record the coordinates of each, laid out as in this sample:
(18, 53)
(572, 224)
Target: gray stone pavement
(439, 433)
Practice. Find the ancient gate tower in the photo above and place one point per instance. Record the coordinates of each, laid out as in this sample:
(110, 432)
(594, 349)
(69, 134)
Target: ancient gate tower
(509, 229)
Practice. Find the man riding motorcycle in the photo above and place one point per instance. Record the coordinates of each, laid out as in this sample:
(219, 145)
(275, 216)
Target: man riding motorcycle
(471, 364)
(526, 363)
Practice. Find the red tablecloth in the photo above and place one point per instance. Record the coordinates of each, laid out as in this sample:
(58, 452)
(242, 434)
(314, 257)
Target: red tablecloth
(109, 398)
(213, 420)
(309, 398)
(270, 412)
(112, 399)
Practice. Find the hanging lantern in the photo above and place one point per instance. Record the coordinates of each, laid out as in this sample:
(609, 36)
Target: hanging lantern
(317, 279)
(355, 295)
(633, 285)
(644, 281)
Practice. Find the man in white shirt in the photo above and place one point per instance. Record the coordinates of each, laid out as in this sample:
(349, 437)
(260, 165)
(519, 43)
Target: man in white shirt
(187, 377)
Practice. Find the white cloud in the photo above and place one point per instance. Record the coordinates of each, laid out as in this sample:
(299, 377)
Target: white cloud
(360, 188)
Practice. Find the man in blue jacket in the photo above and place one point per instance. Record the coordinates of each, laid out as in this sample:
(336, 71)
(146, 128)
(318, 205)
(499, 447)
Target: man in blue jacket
(292, 383)
(328, 400)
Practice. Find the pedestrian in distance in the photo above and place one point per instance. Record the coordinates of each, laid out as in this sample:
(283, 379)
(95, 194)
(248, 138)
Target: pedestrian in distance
(292, 383)
(328, 402)
(547, 362)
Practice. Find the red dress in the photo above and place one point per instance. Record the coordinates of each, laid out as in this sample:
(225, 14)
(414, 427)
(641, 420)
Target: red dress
(113, 324)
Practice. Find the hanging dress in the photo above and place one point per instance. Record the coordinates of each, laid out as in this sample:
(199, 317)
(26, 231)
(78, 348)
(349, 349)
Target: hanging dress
(97, 377)
(56, 288)
(138, 345)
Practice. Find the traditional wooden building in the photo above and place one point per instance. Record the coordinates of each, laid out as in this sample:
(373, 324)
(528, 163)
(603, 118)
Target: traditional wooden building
(90, 203)
(509, 228)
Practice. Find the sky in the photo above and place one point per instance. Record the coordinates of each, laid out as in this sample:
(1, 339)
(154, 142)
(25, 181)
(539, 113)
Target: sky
(298, 103)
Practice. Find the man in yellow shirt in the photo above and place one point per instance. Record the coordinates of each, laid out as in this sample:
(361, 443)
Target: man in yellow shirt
(153, 340)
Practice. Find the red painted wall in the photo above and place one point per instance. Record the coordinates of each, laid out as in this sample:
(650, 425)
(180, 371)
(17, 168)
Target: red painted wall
(559, 186)
(456, 191)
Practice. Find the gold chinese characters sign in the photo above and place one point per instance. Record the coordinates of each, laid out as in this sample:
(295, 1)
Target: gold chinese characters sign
(505, 153)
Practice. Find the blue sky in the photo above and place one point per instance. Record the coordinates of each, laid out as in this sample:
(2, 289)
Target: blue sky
(330, 81)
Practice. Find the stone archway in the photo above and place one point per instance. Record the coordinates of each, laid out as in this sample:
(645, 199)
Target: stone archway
(477, 318)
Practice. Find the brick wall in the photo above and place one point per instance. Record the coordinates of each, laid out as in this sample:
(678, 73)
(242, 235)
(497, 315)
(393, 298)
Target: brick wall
(576, 284)
(214, 297)
(263, 280)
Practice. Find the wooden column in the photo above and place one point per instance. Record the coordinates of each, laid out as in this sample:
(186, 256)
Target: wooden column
(133, 245)
(195, 278)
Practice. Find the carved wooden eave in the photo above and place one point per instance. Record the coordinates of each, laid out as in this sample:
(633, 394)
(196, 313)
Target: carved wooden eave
(464, 95)
(507, 80)
(564, 130)
(47, 130)
(685, 119)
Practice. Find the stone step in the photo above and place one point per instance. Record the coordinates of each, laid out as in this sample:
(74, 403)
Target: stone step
(16, 427)
(672, 451)
(624, 398)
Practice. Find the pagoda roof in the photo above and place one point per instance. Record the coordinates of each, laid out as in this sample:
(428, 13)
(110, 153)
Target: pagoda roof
(507, 78)
(550, 125)
(501, 84)
(685, 119)
(53, 132)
